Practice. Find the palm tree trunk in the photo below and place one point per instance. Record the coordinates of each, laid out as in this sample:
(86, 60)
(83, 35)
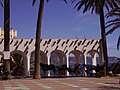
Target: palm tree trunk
(104, 44)
(37, 43)
(6, 32)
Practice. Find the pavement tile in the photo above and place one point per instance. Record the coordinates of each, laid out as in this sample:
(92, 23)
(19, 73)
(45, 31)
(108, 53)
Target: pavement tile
(76, 83)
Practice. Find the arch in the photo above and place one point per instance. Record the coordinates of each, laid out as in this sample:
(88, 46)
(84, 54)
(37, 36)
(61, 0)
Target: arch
(54, 59)
(43, 59)
(94, 55)
(25, 61)
(59, 56)
(79, 56)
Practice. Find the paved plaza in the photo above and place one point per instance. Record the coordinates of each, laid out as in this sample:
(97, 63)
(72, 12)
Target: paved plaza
(69, 83)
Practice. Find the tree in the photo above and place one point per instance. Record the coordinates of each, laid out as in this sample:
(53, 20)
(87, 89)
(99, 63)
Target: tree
(6, 32)
(98, 7)
(37, 43)
(38, 38)
(115, 23)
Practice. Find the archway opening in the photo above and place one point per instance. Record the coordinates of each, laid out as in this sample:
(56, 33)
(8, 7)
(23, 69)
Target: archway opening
(43, 59)
(88, 59)
(72, 60)
(58, 59)
(54, 59)
(17, 65)
(82, 60)
(92, 60)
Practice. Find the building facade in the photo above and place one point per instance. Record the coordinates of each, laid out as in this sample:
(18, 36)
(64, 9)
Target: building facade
(13, 33)
(61, 49)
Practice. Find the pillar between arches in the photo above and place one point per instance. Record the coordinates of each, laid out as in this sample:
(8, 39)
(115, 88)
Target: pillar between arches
(94, 62)
(85, 59)
(67, 64)
(85, 64)
(27, 66)
(48, 62)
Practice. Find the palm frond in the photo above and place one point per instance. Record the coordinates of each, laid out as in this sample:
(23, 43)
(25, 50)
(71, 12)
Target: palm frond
(109, 32)
(107, 7)
(78, 6)
(47, 0)
(94, 5)
(92, 10)
(111, 24)
(118, 1)
(1, 4)
(115, 3)
(91, 4)
(33, 2)
(72, 1)
(115, 20)
(113, 28)
(87, 5)
(115, 23)
(65, 1)
(118, 43)
(113, 12)
(109, 3)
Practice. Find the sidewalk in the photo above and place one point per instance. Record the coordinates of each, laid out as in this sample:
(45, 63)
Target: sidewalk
(71, 83)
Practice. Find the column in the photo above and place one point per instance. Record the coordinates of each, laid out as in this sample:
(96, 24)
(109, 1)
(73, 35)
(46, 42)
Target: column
(27, 66)
(94, 62)
(85, 64)
(48, 64)
(85, 60)
(67, 64)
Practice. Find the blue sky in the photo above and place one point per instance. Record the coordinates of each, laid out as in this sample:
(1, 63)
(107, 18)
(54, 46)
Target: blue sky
(60, 20)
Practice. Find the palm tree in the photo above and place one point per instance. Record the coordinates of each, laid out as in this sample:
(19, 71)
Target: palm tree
(6, 31)
(98, 7)
(38, 38)
(115, 23)
(37, 43)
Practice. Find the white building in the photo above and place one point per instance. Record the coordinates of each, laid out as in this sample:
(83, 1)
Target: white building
(13, 33)
(62, 48)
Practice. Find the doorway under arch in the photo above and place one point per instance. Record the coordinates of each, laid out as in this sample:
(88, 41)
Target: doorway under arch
(19, 62)
(43, 59)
